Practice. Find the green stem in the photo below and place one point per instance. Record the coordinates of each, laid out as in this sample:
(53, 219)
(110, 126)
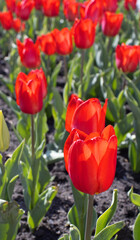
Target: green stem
(48, 65)
(66, 73)
(82, 72)
(33, 161)
(89, 218)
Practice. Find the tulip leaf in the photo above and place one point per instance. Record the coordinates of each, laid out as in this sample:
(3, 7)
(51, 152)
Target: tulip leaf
(23, 128)
(10, 215)
(74, 234)
(136, 231)
(55, 73)
(134, 198)
(65, 237)
(106, 217)
(108, 232)
(41, 128)
(133, 156)
(41, 207)
(58, 102)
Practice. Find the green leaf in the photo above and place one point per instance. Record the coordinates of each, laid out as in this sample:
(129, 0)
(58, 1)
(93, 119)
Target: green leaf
(65, 237)
(42, 206)
(106, 217)
(11, 186)
(74, 233)
(133, 157)
(41, 128)
(11, 103)
(3, 180)
(136, 232)
(23, 128)
(58, 102)
(134, 198)
(55, 73)
(10, 215)
(44, 175)
(108, 232)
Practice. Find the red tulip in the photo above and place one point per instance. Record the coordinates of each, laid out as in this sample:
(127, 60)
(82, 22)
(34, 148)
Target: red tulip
(51, 7)
(84, 33)
(6, 20)
(129, 3)
(83, 8)
(11, 5)
(110, 5)
(63, 40)
(111, 23)
(29, 53)
(29, 91)
(24, 8)
(94, 115)
(94, 10)
(127, 58)
(38, 4)
(91, 159)
(47, 43)
(18, 25)
(71, 9)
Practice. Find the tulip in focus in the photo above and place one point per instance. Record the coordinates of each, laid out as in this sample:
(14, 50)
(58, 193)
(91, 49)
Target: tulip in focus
(94, 115)
(6, 20)
(130, 3)
(30, 90)
(111, 23)
(4, 134)
(127, 58)
(47, 43)
(24, 8)
(84, 33)
(29, 53)
(51, 7)
(91, 159)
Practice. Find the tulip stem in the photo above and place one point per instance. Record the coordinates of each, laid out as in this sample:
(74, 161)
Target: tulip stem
(33, 137)
(89, 218)
(66, 73)
(33, 161)
(82, 72)
(48, 65)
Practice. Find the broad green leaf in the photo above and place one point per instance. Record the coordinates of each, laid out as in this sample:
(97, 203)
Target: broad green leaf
(10, 215)
(11, 186)
(44, 175)
(3, 180)
(65, 237)
(108, 232)
(74, 233)
(136, 232)
(41, 128)
(58, 102)
(134, 198)
(42, 206)
(132, 153)
(55, 73)
(23, 128)
(106, 217)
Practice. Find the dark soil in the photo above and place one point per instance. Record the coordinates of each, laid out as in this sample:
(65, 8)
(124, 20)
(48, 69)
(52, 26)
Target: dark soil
(55, 223)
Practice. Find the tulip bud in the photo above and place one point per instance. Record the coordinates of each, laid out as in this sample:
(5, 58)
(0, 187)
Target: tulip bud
(4, 134)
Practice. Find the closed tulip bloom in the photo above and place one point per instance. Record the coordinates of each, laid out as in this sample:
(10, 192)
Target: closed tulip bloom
(29, 94)
(29, 53)
(11, 5)
(24, 8)
(84, 33)
(47, 43)
(110, 5)
(63, 40)
(6, 20)
(38, 4)
(91, 159)
(51, 7)
(4, 134)
(71, 9)
(94, 10)
(94, 115)
(130, 3)
(17, 25)
(111, 23)
(127, 57)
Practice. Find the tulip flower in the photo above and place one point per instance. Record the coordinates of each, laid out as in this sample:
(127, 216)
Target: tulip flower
(94, 115)
(127, 57)
(17, 25)
(6, 20)
(24, 8)
(30, 90)
(51, 7)
(130, 3)
(91, 159)
(71, 9)
(111, 23)
(11, 5)
(63, 40)
(84, 33)
(38, 4)
(4, 134)
(47, 43)
(94, 10)
(110, 5)
(29, 53)
(83, 8)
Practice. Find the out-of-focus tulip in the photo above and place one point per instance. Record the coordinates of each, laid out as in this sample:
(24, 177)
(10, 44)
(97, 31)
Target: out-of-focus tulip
(127, 57)
(111, 23)
(84, 33)
(51, 7)
(110, 5)
(94, 10)
(63, 40)
(29, 91)
(24, 8)
(6, 19)
(18, 26)
(129, 3)
(11, 5)
(4, 134)
(83, 8)
(38, 4)
(87, 116)
(71, 8)
(29, 53)
(47, 43)
(91, 159)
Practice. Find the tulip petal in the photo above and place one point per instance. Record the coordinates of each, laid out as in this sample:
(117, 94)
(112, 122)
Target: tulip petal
(108, 132)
